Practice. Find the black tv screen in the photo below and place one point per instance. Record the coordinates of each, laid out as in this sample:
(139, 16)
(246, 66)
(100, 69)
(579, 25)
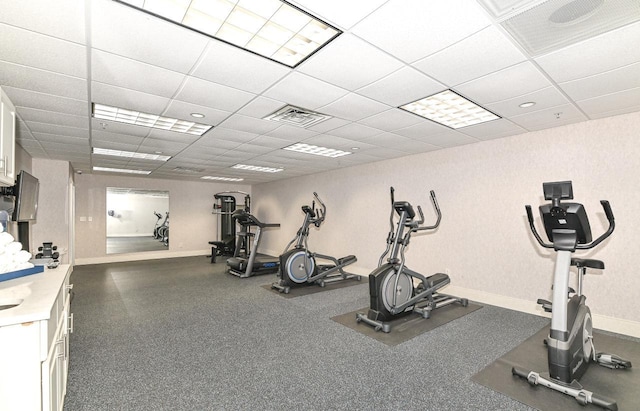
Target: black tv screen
(26, 192)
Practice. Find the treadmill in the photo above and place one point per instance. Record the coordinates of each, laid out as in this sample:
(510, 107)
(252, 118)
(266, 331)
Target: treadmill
(253, 264)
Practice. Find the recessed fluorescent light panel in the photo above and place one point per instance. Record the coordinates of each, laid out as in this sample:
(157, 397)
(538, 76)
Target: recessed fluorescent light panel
(317, 150)
(257, 168)
(450, 109)
(137, 118)
(296, 116)
(121, 170)
(271, 28)
(221, 178)
(129, 154)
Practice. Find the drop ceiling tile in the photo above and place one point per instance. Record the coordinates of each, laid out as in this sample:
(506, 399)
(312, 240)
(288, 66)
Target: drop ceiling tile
(343, 13)
(157, 42)
(406, 28)
(304, 91)
(215, 143)
(512, 82)
(118, 128)
(228, 134)
(391, 120)
(291, 133)
(548, 118)
(50, 117)
(353, 107)
(53, 138)
(208, 94)
(612, 50)
(41, 51)
(402, 87)
(171, 135)
(329, 125)
(102, 93)
(131, 74)
(325, 140)
(61, 148)
(28, 144)
(42, 81)
(366, 63)
(99, 136)
(32, 99)
(545, 98)
(411, 146)
(233, 67)
(249, 124)
(254, 149)
(261, 107)
(389, 140)
(182, 110)
(616, 103)
(384, 153)
(63, 18)
(449, 138)
(478, 55)
(609, 82)
(493, 129)
(112, 145)
(168, 148)
(58, 130)
(271, 142)
(421, 130)
(197, 154)
(355, 131)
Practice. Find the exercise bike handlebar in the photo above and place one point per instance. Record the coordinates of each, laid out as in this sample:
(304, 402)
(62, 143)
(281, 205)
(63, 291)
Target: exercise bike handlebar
(608, 213)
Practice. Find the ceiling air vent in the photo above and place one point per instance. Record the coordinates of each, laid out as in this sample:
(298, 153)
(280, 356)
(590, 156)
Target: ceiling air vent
(296, 116)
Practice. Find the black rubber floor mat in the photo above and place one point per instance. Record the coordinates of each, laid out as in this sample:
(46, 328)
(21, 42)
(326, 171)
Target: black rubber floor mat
(531, 355)
(407, 327)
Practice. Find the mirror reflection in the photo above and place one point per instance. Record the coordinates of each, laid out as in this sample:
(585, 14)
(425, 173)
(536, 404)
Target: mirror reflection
(137, 220)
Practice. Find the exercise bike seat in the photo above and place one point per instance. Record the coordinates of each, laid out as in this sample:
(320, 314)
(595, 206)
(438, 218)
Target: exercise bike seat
(587, 262)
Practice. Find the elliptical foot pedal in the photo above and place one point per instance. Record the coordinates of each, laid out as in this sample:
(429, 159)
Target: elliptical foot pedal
(612, 361)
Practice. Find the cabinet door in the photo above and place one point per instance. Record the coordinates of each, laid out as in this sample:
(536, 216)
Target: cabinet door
(7, 140)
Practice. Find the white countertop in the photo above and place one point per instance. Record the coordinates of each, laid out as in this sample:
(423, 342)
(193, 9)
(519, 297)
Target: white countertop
(38, 292)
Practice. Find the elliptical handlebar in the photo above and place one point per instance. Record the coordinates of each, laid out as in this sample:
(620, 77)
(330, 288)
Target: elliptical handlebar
(321, 213)
(436, 207)
(608, 213)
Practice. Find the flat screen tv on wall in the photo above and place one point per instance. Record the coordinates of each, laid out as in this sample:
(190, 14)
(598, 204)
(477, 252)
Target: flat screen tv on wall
(26, 193)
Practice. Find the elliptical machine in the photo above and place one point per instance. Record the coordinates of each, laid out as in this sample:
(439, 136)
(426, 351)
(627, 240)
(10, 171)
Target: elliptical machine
(570, 347)
(298, 265)
(391, 286)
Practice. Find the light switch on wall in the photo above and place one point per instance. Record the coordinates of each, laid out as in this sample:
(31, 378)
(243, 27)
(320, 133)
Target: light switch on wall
(83, 218)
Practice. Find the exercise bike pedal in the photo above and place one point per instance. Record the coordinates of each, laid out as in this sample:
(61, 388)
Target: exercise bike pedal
(546, 305)
(612, 361)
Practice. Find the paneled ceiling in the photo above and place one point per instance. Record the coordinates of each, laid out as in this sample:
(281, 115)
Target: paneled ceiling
(59, 56)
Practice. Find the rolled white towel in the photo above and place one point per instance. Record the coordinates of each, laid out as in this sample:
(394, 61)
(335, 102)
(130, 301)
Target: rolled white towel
(23, 266)
(6, 238)
(22, 256)
(13, 248)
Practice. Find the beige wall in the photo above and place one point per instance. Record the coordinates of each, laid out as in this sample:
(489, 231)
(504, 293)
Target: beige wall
(190, 206)
(54, 211)
(483, 241)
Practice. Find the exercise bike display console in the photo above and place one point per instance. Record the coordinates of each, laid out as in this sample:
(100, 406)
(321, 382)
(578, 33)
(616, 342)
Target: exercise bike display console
(298, 265)
(570, 346)
(392, 288)
(250, 264)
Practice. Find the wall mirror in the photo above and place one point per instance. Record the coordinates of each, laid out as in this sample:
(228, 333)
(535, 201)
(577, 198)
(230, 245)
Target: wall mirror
(137, 220)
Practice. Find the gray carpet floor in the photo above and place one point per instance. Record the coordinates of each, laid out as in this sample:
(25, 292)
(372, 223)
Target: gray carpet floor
(180, 334)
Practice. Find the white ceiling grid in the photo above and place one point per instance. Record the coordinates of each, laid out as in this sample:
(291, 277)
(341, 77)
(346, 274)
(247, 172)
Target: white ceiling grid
(55, 55)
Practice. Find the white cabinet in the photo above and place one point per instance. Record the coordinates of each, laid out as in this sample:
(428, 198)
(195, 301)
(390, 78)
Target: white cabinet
(7, 140)
(34, 355)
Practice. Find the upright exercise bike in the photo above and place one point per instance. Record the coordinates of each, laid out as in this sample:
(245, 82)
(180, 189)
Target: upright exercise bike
(392, 289)
(570, 346)
(298, 265)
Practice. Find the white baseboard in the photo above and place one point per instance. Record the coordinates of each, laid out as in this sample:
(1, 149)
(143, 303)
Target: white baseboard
(601, 322)
(151, 255)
